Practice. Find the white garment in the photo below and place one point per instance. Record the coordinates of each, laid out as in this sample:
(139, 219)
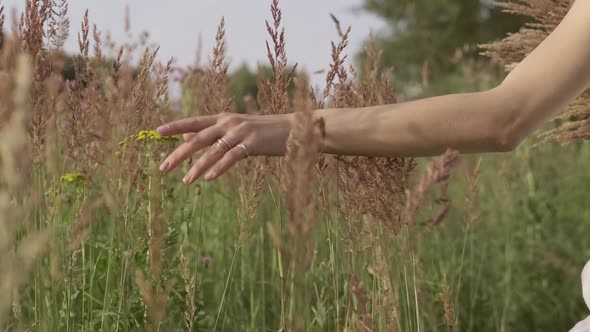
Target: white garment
(584, 326)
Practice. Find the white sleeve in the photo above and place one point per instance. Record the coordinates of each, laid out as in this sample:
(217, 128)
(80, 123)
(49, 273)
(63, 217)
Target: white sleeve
(584, 326)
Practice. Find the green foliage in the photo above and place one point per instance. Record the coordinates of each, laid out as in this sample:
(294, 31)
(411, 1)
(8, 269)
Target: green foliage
(515, 268)
(431, 31)
(243, 84)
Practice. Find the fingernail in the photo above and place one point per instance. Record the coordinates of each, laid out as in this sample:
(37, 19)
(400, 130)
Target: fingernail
(188, 179)
(210, 175)
(164, 166)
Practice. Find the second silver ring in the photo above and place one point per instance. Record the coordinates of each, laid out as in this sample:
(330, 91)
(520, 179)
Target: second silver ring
(243, 147)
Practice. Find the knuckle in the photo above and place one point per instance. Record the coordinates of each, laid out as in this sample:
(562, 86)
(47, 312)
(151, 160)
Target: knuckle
(221, 117)
(239, 131)
(234, 122)
(244, 127)
(230, 120)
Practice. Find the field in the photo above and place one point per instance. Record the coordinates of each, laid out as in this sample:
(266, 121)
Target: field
(93, 237)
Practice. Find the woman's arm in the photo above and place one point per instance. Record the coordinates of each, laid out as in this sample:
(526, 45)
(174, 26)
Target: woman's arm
(547, 80)
(541, 86)
(468, 122)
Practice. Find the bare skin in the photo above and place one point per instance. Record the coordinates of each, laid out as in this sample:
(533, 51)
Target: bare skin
(496, 120)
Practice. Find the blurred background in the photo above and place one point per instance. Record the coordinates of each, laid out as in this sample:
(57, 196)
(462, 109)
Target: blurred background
(506, 255)
(429, 42)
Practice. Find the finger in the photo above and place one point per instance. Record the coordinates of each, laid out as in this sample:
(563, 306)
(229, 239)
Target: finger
(228, 160)
(187, 149)
(210, 157)
(214, 154)
(188, 136)
(194, 125)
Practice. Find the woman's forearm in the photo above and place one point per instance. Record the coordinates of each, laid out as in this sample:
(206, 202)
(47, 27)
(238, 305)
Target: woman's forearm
(538, 88)
(467, 122)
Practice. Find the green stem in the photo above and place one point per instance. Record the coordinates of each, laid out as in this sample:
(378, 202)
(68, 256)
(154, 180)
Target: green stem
(225, 289)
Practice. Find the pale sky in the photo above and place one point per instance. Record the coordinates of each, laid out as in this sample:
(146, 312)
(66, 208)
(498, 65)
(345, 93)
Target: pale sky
(176, 24)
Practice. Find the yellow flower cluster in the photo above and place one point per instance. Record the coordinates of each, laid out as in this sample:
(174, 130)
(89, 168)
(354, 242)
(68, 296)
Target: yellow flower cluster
(73, 178)
(149, 135)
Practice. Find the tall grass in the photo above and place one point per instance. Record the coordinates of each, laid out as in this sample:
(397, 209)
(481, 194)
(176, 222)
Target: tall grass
(94, 237)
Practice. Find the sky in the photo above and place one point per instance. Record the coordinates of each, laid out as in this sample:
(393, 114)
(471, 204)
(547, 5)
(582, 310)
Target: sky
(176, 25)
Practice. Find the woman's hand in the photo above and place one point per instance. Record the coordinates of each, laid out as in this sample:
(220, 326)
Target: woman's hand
(229, 137)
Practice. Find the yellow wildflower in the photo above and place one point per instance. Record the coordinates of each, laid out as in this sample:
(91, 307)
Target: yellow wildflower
(73, 178)
(149, 135)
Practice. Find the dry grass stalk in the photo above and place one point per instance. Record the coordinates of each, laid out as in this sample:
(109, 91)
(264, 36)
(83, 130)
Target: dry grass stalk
(252, 179)
(88, 117)
(98, 57)
(338, 25)
(547, 14)
(7, 57)
(272, 95)
(338, 59)
(157, 223)
(142, 95)
(189, 280)
(83, 36)
(155, 300)
(211, 94)
(59, 24)
(216, 83)
(327, 165)
(358, 291)
(81, 226)
(301, 159)
(17, 264)
(372, 188)
(56, 105)
(473, 176)
(447, 298)
(283, 76)
(262, 97)
(31, 34)
(300, 176)
(369, 185)
(32, 24)
(437, 172)
(2, 19)
(154, 295)
(387, 300)
(189, 287)
(162, 82)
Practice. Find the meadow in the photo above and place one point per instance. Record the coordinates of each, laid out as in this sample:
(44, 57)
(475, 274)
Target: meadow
(93, 237)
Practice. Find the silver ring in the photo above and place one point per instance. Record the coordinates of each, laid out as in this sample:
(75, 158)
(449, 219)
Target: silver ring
(223, 144)
(245, 150)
